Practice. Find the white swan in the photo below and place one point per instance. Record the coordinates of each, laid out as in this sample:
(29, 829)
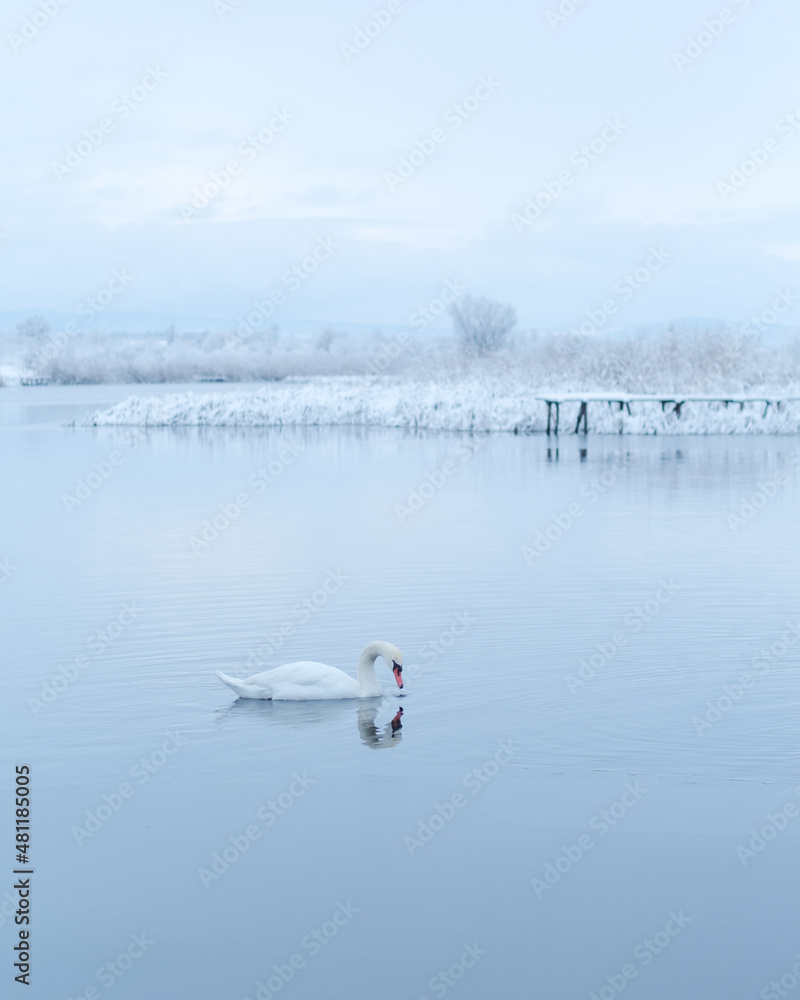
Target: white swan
(309, 681)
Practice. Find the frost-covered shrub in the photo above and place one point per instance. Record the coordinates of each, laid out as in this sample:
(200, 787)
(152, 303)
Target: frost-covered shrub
(187, 357)
(687, 359)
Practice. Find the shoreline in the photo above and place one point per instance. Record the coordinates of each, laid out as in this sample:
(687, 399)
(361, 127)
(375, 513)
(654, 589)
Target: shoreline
(466, 405)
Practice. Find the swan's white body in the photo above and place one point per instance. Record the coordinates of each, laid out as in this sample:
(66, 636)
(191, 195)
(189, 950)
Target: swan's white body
(310, 681)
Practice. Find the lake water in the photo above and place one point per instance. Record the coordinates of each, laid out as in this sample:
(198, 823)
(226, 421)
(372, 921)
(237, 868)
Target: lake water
(601, 709)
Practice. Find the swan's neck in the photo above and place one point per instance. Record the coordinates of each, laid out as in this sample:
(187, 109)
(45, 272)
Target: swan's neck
(367, 681)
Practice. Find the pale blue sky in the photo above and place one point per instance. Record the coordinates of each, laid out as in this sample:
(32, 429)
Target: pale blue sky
(324, 175)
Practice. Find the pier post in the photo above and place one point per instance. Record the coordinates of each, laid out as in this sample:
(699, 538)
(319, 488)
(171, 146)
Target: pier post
(582, 416)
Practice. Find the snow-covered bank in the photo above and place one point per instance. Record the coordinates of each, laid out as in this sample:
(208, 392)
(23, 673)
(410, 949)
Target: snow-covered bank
(711, 360)
(104, 359)
(458, 404)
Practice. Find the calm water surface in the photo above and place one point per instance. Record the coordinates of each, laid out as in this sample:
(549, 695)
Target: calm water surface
(576, 619)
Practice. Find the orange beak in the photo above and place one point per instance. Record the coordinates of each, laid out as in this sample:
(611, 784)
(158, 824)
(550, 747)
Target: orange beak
(398, 675)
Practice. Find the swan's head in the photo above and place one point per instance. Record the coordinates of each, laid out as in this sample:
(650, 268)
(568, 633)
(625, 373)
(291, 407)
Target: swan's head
(397, 664)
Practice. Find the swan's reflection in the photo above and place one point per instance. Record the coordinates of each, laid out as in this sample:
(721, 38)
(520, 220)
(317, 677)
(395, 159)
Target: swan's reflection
(288, 713)
(371, 736)
(302, 713)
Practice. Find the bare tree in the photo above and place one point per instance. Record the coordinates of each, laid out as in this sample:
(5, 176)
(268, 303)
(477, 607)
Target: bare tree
(325, 339)
(33, 328)
(482, 326)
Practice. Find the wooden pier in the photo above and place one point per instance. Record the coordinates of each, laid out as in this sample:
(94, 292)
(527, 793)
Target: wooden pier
(624, 400)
